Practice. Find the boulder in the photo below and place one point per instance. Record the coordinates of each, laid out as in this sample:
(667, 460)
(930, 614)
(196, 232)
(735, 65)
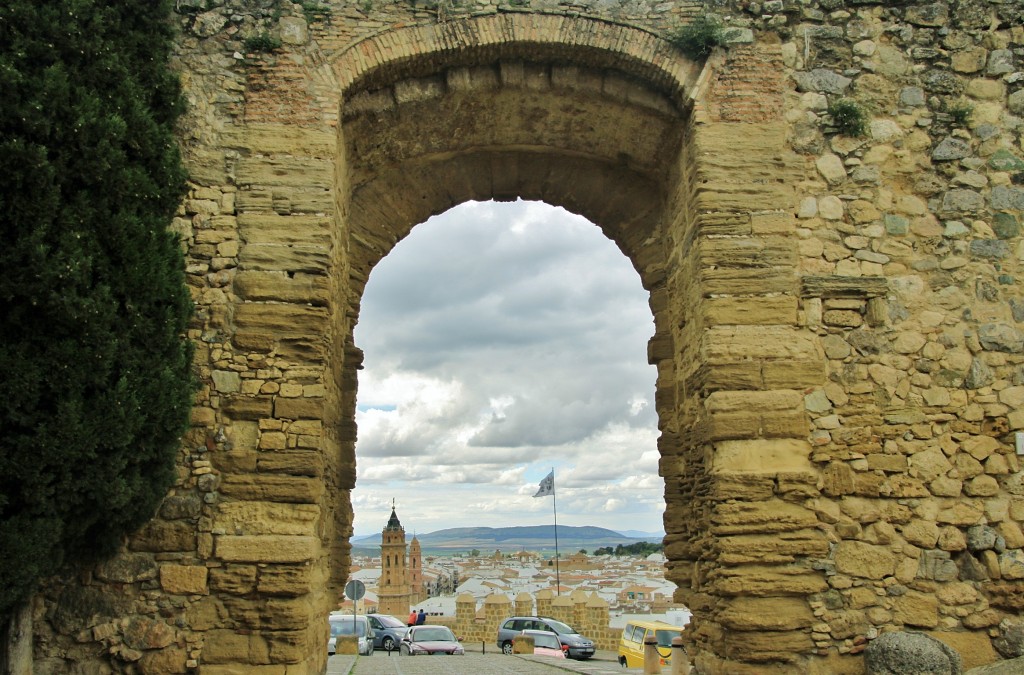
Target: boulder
(1010, 642)
(1010, 667)
(910, 653)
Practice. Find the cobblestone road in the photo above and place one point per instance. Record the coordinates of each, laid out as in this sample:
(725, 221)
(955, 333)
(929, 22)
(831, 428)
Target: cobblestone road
(472, 664)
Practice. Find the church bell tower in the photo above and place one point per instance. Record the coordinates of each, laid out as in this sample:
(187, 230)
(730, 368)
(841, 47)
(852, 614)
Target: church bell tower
(393, 590)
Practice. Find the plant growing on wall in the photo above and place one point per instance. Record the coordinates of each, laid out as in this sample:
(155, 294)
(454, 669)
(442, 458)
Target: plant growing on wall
(264, 42)
(316, 12)
(97, 385)
(848, 117)
(960, 113)
(697, 38)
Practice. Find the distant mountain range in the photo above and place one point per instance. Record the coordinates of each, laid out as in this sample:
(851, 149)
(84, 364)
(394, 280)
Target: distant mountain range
(515, 538)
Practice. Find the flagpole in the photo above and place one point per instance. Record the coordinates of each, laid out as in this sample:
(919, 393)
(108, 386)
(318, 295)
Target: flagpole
(554, 507)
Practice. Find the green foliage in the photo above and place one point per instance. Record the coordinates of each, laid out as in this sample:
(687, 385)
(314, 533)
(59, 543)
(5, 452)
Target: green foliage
(641, 548)
(314, 11)
(97, 386)
(848, 117)
(264, 42)
(697, 38)
(960, 113)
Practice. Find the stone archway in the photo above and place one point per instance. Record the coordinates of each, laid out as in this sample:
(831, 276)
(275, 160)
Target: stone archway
(642, 150)
(335, 157)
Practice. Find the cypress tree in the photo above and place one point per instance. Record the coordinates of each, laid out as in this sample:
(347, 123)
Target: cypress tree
(96, 384)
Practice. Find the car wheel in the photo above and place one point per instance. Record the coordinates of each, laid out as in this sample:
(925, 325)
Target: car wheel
(506, 647)
(388, 645)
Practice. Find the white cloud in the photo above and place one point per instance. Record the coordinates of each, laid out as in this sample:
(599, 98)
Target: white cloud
(502, 340)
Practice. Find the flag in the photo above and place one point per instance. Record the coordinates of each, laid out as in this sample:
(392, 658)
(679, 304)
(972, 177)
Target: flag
(547, 486)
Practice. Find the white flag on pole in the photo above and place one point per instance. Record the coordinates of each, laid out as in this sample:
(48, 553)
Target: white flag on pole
(547, 485)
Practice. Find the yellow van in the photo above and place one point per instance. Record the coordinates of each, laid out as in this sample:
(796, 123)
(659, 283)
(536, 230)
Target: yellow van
(631, 645)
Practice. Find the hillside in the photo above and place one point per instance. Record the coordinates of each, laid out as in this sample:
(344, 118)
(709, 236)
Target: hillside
(513, 538)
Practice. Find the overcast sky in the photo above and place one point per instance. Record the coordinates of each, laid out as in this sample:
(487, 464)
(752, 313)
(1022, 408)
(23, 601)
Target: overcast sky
(501, 341)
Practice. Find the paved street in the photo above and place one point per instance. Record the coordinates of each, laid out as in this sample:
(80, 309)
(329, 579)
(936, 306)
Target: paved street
(492, 663)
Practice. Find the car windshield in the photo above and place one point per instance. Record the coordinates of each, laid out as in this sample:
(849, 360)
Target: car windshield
(390, 621)
(346, 627)
(664, 637)
(561, 628)
(432, 634)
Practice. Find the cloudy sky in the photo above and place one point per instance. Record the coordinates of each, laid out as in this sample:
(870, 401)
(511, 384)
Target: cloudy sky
(501, 341)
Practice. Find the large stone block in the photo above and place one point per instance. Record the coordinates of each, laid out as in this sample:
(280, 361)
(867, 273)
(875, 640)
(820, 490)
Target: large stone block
(777, 310)
(272, 614)
(766, 614)
(761, 456)
(281, 139)
(766, 581)
(266, 548)
(228, 646)
(280, 319)
(281, 287)
(159, 536)
(761, 517)
(753, 401)
(729, 344)
(292, 462)
(299, 408)
(868, 561)
(767, 645)
(286, 172)
(273, 488)
(184, 579)
(286, 580)
(257, 517)
(772, 548)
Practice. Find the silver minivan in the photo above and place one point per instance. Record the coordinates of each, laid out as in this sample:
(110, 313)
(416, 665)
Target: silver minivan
(347, 624)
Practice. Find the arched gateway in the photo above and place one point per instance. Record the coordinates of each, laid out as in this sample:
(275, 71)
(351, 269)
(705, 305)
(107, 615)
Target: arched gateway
(834, 426)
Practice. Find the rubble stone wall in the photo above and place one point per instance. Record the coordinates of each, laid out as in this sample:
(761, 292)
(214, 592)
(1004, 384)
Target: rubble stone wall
(837, 317)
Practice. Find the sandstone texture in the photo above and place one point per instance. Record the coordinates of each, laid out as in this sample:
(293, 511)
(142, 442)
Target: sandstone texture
(839, 319)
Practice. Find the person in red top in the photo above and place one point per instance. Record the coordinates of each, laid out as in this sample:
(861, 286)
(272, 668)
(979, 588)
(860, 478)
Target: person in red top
(412, 618)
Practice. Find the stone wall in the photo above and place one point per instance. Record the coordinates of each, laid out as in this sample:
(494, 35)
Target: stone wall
(837, 318)
(586, 612)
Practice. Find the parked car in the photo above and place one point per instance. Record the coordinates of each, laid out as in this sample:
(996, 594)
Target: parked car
(427, 639)
(575, 645)
(347, 624)
(545, 643)
(631, 644)
(388, 631)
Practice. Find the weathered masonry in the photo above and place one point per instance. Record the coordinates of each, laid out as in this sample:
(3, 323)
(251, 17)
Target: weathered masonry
(839, 337)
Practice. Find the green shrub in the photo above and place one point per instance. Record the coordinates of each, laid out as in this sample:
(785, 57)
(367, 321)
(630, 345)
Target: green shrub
(97, 386)
(264, 42)
(848, 117)
(697, 38)
(960, 113)
(314, 11)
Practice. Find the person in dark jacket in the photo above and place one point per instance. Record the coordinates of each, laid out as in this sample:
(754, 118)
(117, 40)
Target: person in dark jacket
(421, 618)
